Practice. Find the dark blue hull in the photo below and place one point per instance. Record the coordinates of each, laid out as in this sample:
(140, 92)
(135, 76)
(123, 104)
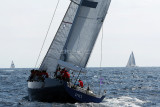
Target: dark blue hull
(50, 94)
(53, 90)
(83, 97)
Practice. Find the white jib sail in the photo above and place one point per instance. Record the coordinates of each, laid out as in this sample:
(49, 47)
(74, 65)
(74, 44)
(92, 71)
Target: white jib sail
(56, 48)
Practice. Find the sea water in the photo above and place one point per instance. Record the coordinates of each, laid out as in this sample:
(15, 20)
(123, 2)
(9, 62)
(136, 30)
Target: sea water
(126, 87)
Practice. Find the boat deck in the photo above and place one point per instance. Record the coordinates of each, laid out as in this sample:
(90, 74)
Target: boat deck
(83, 90)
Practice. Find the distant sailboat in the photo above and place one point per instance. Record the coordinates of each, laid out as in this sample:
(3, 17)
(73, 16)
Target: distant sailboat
(12, 65)
(131, 61)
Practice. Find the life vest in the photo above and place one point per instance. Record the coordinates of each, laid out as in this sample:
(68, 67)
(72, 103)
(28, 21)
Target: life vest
(62, 72)
(45, 75)
(81, 83)
(67, 75)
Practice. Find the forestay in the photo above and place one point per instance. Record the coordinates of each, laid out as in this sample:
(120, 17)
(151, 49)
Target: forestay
(56, 48)
(84, 31)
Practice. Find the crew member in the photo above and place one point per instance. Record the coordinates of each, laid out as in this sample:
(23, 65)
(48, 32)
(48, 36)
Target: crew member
(32, 75)
(67, 76)
(57, 73)
(80, 83)
(62, 73)
(45, 74)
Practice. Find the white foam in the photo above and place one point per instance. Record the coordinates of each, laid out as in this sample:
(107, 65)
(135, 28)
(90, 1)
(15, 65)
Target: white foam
(123, 101)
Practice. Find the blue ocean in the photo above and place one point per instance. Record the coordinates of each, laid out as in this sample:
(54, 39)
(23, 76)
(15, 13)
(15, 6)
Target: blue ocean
(126, 87)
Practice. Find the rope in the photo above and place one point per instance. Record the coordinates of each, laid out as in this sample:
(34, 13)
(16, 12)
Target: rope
(47, 34)
(101, 48)
(101, 61)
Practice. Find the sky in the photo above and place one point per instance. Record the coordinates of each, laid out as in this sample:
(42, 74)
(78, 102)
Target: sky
(131, 25)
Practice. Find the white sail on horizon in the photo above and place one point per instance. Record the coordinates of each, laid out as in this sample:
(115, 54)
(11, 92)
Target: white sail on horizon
(12, 65)
(131, 61)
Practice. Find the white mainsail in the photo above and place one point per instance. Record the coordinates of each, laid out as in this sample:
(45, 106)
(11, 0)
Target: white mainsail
(12, 65)
(85, 31)
(77, 34)
(131, 61)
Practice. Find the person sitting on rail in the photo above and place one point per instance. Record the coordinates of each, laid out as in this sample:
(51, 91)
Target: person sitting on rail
(88, 88)
(45, 74)
(32, 75)
(66, 76)
(36, 77)
(57, 73)
(62, 72)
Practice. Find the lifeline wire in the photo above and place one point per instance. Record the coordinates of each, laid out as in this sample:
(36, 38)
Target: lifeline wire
(47, 33)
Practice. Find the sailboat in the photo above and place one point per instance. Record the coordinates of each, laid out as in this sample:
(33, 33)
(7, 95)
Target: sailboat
(71, 48)
(12, 65)
(131, 61)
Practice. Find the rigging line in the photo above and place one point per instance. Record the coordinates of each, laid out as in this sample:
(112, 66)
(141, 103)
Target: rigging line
(101, 48)
(101, 61)
(47, 33)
